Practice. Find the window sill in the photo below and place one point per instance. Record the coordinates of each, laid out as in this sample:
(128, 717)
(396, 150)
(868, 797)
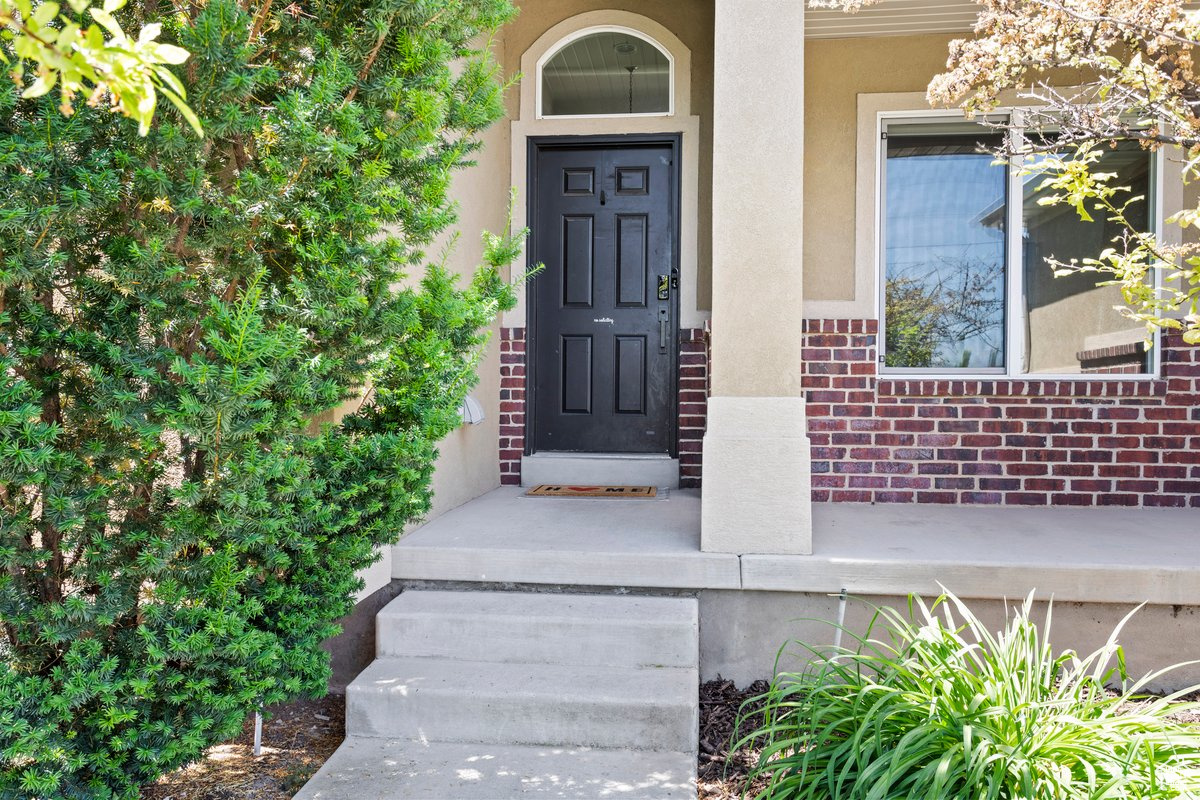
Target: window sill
(1114, 386)
(637, 115)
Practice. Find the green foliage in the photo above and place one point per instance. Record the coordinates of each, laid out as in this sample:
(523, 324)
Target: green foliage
(97, 60)
(940, 707)
(1138, 260)
(176, 534)
(912, 313)
(927, 320)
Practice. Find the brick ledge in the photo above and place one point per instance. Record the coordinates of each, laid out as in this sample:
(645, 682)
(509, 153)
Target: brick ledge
(1116, 388)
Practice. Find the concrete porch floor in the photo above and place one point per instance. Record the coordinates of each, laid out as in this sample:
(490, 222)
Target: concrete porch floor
(1080, 555)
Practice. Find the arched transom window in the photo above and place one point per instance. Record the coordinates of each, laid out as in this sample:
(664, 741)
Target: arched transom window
(606, 72)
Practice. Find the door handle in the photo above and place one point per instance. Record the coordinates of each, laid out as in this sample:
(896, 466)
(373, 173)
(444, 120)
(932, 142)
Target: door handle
(664, 320)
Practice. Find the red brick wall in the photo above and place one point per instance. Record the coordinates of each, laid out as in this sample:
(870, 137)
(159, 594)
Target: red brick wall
(693, 403)
(512, 404)
(1013, 442)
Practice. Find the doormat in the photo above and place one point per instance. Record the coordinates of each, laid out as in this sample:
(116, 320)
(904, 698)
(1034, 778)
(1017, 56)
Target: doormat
(552, 490)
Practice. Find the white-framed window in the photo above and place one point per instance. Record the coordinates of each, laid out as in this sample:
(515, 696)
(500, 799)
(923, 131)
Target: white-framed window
(964, 287)
(606, 71)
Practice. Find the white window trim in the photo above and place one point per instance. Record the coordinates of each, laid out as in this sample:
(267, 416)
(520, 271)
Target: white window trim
(575, 36)
(1014, 334)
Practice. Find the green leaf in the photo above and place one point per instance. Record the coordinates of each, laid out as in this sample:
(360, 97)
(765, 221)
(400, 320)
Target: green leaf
(44, 14)
(170, 54)
(149, 32)
(107, 22)
(931, 704)
(183, 109)
(41, 86)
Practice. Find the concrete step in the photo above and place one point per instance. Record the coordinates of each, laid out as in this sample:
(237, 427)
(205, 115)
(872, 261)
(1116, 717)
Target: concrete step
(386, 769)
(491, 695)
(446, 700)
(516, 627)
(605, 469)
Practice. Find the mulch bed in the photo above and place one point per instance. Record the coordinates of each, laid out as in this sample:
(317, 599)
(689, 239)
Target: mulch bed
(721, 772)
(297, 739)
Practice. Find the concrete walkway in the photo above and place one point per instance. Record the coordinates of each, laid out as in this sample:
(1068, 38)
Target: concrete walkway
(400, 769)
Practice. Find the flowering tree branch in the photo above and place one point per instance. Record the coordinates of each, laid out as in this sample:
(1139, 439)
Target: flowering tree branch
(1136, 80)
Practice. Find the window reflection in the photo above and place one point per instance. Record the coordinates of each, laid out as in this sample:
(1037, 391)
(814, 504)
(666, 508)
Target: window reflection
(1071, 325)
(944, 251)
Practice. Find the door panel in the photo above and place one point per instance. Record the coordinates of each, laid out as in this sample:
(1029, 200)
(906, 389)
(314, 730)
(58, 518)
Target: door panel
(603, 340)
(576, 259)
(577, 370)
(631, 375)
(632, 275)
(579, 181)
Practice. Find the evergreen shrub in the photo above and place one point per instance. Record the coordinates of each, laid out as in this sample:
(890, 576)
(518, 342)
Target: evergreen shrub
(176, 534)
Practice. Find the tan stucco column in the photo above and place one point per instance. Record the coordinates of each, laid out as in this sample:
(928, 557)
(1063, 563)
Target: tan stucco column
(757, 495)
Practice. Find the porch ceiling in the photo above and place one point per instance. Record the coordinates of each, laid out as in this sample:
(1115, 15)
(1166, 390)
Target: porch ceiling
(892, 18)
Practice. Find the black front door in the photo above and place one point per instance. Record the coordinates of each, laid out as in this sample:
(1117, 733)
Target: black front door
(603, 312)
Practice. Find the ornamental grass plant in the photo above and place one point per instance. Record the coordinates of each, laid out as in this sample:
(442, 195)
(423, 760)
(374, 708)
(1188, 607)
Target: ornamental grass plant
(935, 705)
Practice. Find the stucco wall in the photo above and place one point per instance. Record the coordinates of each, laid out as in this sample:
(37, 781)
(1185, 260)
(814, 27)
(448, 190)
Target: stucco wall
(836, 72)
(741, 632)
(847, 82)
(469, 463)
